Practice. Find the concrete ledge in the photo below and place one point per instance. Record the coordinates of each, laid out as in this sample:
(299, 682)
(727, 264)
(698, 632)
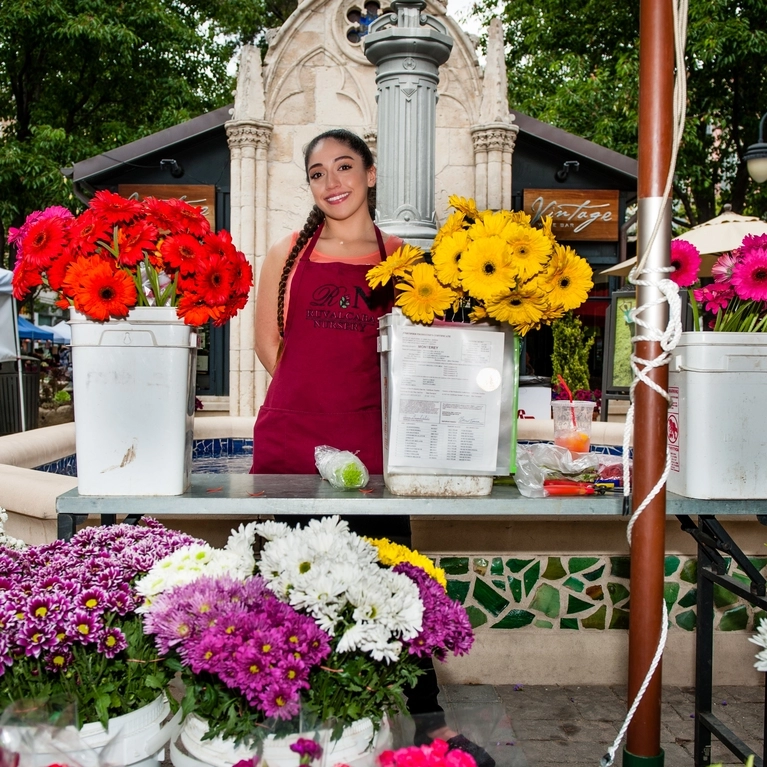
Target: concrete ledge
(213, 426)
(36, 447)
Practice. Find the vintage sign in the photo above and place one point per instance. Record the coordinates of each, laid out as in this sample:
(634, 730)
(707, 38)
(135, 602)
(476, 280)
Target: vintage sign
(577, 214)
(202, 195)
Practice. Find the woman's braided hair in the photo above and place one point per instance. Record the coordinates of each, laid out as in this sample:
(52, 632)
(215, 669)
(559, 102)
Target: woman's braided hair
(316, 216)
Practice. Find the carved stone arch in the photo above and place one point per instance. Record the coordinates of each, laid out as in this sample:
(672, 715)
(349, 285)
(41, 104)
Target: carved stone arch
(319, 68)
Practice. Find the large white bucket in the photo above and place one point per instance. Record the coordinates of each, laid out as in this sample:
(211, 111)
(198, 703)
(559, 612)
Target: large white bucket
(358, 746)
(717, 434)
(429, 400)
(133, 385)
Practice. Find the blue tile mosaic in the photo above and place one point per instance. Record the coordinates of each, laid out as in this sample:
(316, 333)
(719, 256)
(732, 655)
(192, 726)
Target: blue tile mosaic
(226, 455)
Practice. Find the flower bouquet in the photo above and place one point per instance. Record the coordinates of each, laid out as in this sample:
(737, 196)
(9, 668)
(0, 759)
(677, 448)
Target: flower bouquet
(484, 265)
(122, 253)
(69, 627)
(736, 301)
(323, 634)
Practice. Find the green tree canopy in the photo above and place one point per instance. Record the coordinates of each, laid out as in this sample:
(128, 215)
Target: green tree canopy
(80, 77)
(575, 65)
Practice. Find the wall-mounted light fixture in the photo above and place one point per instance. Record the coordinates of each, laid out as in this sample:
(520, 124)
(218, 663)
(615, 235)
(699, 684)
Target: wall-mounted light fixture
(562, 174)
(174, 166)
(756, 156)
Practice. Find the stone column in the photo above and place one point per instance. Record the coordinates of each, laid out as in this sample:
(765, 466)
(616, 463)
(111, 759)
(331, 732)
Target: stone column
(248, 140)
(248, 135)
(407, 48)
(495, 134)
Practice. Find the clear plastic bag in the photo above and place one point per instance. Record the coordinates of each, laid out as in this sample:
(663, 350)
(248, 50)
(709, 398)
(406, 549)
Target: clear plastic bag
(341, 468)
(539, 462)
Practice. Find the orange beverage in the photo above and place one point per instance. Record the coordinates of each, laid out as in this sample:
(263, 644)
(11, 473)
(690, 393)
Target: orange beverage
(574, 441)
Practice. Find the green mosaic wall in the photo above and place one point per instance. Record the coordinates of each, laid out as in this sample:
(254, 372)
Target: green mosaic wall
(581, 592)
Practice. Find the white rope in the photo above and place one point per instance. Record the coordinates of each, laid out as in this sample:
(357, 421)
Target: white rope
(667, 339)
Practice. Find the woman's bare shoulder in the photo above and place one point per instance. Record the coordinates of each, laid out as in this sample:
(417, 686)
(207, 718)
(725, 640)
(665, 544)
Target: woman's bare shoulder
(279, 250)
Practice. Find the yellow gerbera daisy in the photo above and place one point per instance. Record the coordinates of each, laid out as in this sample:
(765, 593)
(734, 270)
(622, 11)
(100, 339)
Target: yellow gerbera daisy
(464, 205)
(486, 269)
(454, 223)
(519, 217)
(394, 266)
(447, 255)
(546, 227)
(529, 248)
(490, 224)
(391, 554)
(422, 296)
(477, 314)
(568, 278)
(522, 307)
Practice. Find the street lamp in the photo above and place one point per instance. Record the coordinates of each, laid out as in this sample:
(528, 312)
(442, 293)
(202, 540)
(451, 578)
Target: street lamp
(756, 156)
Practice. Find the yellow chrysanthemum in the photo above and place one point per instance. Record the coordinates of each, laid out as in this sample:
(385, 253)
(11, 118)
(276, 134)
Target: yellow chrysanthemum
(568, 278)
(490, 224)
(464, 205)
(486, 269)
(447, 255)
(394, 266)
(422, 296)
(454, 223)
(529, 249)
(522, 307)
(391, 554)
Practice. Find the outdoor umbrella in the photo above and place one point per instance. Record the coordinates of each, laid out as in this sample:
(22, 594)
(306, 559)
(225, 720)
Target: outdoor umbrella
(62, 333)
(28, 329)
(711, 238)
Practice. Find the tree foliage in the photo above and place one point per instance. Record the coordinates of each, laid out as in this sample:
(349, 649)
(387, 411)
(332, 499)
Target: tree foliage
(80, 77)
(576, 65)
(570, 357)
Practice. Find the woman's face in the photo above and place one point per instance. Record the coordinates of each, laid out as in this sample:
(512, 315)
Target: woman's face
(338, 179)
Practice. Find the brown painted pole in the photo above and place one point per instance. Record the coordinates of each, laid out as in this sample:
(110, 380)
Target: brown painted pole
(656, 80)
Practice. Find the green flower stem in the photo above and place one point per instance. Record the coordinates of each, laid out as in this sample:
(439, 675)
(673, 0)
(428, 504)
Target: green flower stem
(154, 281)
(695, 309)
(169, 296)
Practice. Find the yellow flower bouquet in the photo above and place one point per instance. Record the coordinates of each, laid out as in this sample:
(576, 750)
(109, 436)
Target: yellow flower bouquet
(488, 264)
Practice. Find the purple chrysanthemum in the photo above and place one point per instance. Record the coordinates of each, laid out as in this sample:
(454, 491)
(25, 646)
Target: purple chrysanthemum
(308, 749)
(446, 627)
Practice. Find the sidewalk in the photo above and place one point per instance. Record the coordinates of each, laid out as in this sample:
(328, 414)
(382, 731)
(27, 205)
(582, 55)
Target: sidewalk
(574, 726)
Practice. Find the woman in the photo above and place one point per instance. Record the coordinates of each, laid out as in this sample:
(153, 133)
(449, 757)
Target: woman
(316, 330)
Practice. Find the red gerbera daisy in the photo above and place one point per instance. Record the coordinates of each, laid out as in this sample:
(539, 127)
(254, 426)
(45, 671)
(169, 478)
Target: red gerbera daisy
(182, 251)
(133, 240)
(749, 276)
(188, 218)
(24, 279)
(106, 292)
(59, 267)
(45, 239)
(685, 258)
(242, 275)
(113, 208)
(232, 307)
(88, 229)
(213, 280)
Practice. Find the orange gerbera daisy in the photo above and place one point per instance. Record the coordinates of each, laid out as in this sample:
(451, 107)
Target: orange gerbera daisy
(133, 240)
(106, 292)
(194, 311)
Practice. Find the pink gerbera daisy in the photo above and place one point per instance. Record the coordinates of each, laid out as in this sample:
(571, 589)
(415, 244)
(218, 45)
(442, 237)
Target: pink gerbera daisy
(714, 297)
(721, 271)
(685, 258)
(749, 277)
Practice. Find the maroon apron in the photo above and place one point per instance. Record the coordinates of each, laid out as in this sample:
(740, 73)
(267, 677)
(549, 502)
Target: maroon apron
(326, 388)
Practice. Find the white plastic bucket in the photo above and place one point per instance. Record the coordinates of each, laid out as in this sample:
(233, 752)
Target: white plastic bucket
(716, 426)
(133, 386)
(358, 746)
(404, 479)
(137, 739)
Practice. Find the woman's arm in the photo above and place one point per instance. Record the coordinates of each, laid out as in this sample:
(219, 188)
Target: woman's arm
(267, 335)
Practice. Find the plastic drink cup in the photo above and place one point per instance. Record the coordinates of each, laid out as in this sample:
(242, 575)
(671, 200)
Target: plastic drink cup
(572, 424)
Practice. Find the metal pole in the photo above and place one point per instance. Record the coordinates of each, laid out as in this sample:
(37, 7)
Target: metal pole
(656, 84)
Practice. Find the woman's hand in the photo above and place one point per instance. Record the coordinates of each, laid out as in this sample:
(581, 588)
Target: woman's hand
(267, 334)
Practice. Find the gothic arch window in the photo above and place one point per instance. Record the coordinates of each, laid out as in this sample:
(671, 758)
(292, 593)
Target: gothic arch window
(360, 16)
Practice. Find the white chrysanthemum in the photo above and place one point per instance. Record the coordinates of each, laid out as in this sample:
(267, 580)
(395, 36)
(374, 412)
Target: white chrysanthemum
(8, 541)
(271, 530)
(240, 544)
(390, 599)
(760, 638)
